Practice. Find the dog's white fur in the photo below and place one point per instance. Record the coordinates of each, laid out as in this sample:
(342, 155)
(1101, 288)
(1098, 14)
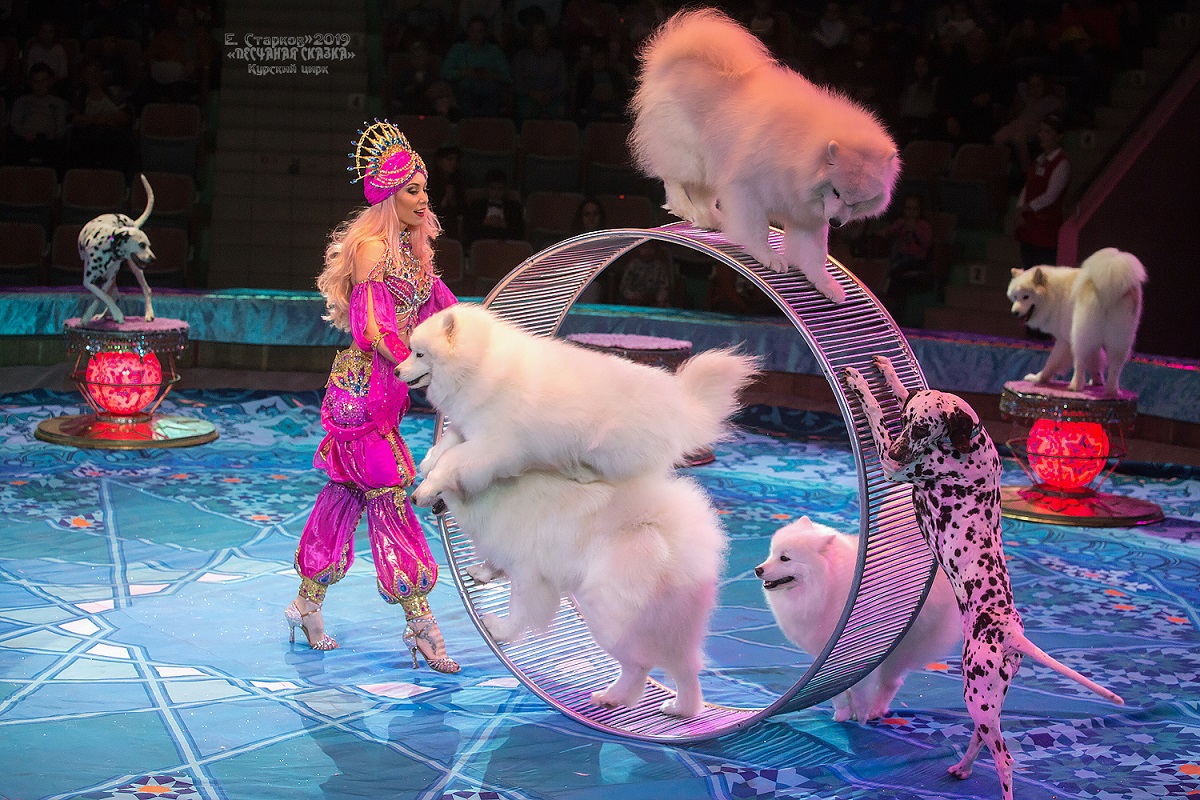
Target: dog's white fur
(1092, 312)
(741, 142)
(518, 402)
(107, 242)
(806, 579)
(641, 558)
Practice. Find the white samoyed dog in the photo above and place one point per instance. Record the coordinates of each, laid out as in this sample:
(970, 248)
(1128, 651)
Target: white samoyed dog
(1092, 312)
(641, 558)
(518, 402)
(807, 581)
(741, 142)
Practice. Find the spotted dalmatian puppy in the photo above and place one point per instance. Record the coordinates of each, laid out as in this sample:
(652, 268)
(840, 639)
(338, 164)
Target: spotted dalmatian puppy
(944, 452)
(105, 243)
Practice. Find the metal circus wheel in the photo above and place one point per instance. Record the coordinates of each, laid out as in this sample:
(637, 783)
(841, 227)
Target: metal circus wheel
(564, 665)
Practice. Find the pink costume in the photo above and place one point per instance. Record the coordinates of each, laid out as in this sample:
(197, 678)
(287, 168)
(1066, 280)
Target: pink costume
(369, 465)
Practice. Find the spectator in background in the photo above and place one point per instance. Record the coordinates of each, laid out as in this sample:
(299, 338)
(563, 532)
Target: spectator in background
(764, 23)
(442, 101)
(969, 87)
(589, 216)
(446, 188)
(831, 32)
(39, 122)
(918, 108)
(495, 215)
(648, 277)
(410, 75)
(118, 73)
(478, 71)
(1034, 102)
(601, 90)
(101, 130)
(1040, 205)
(539, 76)
(47, 49)
(178, 60)
(911, 238)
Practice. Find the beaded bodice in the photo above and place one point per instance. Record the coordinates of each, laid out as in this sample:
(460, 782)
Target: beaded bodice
(408, 281)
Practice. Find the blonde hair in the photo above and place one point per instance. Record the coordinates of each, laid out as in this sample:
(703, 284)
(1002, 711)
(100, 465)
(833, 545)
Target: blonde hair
(378, 221)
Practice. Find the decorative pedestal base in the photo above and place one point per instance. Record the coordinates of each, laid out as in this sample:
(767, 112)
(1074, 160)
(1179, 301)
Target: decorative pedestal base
(98, 431)
(1075, 437)
(653, 351)
(1084, 509)
(124, 371)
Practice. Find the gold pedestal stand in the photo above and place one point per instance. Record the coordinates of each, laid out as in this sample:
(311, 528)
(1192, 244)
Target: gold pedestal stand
(1025, 403)
(125, 429)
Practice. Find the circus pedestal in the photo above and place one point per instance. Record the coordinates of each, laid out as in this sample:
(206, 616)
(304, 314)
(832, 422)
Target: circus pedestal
(124, 371)
(654, 351)
(1069, 443)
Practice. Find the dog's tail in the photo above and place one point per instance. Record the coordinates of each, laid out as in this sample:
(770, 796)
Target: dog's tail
(711, 383)
(149, 203)
(1030, 649)
(705, 35)
(1112, 273)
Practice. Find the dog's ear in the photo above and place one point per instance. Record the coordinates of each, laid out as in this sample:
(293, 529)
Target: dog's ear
(833, 151)
(1039, 277)
(449, 328)
(960, 426)
(1016, 272)
(826, 542)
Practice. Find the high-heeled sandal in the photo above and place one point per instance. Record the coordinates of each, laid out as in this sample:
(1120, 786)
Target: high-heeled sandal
(295, 619)
(413, 635)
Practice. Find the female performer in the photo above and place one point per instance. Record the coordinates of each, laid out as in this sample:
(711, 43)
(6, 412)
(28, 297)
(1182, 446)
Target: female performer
(378, 283)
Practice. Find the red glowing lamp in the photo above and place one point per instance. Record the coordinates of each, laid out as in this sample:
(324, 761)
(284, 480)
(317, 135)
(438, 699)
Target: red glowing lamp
(123, 383)
(1067, 455)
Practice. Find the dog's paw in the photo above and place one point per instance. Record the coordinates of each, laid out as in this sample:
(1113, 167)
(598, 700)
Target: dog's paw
(842, 714)
(856, 382)
(774, 262)
(1035, 377)
(673, 708)
(604, 699)
(501, 629)
(485, 572)
(884, 365)
(824, 283)
(425, 495)
(960, 771)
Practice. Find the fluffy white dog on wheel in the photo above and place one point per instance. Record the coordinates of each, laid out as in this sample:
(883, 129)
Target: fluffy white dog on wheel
(518, 402)
(641, 557)
(741, 142)
(1092, 312)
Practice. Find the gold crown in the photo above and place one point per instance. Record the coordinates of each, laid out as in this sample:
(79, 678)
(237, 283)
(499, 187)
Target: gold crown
(374, 147)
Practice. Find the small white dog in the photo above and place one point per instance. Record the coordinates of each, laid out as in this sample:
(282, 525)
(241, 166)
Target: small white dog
(741, 142)
(807, 581)
(1092, 312)
(641, 558)
(518, 402)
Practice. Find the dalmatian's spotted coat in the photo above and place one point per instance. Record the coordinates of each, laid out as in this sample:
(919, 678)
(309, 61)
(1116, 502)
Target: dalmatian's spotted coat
(105, 243)
(944, 452)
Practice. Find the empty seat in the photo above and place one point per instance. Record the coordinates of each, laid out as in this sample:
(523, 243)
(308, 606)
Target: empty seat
(449, 261)
(487, 143)
(170, 137)
(492, 259)
(550, 217)
(174, 200)
(607, 161)
(425, 133)
(551, 155)
(66, 268)
(627, 211)
(27, 195)
(22, 253)
(88, 193)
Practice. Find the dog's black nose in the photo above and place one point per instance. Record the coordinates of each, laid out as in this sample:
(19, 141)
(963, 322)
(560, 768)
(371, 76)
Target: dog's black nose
(758, 572)
(835, 223)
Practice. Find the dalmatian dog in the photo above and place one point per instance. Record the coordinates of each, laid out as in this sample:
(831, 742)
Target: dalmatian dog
(943, 450)
(105, 243)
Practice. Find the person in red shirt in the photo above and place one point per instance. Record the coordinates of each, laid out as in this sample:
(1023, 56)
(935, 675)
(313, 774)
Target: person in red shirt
(1040, 204)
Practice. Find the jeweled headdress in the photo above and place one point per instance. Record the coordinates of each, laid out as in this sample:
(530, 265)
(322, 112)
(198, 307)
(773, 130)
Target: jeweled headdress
(384, 161)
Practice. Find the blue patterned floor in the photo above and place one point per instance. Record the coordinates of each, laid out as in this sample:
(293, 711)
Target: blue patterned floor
(143, 652)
